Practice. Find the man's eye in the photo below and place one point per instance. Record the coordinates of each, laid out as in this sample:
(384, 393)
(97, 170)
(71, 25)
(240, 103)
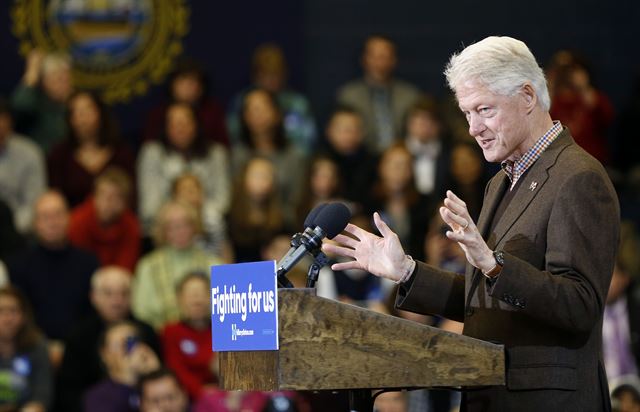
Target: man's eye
(483, 110)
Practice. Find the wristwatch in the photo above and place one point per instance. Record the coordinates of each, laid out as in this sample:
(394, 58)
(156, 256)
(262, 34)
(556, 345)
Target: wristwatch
(499, 256)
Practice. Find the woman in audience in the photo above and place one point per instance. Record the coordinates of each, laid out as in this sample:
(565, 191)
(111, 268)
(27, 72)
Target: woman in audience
(468, 177)
(256, 215)
(188, 188)
(159, 272)
(323, 185)
(262, 134)
(187, 343)
(395, 197)
(91, 146)
(188, 84)
(269, 71)
(26, 382)
(181, 149)
(125, 358)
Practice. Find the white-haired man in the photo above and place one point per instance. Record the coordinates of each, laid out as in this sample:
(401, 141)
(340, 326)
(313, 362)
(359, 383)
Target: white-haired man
(542, 253)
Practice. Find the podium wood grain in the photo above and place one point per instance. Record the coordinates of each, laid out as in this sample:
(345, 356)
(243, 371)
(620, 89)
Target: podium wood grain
(330, 345)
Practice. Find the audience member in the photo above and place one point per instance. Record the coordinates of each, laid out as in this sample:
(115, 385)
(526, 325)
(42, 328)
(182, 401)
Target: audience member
(428, 142)
(81, 366)
(187, 343)
(188, 84)
(39, 100)
(11, 242)
(159, 272)
(395, 198)
(256, 215)
(26, 381)
(160, 391)
(53, 274)
(213, 239)
(356, 286)
(22, 170)
(269, 72)
(92, 145)
(324, 184)
(381, 99)
(581, 107)
(467, 175)
(262, 134)
(125, 359)
(621, 324)
(105, 224)
(345, 146)
(625, 394)
(181, 149)
(391, 402)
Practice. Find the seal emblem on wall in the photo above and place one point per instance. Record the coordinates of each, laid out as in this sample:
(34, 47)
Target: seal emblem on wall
(118, 47)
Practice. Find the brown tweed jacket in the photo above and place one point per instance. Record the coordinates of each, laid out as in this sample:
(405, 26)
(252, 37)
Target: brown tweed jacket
(560, 237)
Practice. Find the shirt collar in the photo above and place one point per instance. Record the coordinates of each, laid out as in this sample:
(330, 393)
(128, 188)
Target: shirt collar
(515, 169)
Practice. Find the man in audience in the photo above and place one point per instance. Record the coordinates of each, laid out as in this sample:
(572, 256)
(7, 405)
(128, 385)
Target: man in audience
(381, 99)
(40, 99)
(160, 391)
(53, 274)
(126, 358)
(22, 170)
(81, 367)
(105, 224)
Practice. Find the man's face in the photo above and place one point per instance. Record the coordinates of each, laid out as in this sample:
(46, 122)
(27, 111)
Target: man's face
(51, 220)
(111, 296)
(379, 59)
(163, 395)
(497, 122)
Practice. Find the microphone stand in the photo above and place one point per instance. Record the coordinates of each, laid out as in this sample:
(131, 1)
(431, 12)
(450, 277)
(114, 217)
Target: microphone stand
(283, 280)
(319, 261)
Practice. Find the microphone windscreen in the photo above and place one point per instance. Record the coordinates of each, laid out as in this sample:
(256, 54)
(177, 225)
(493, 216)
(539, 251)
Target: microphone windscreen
(333, 218)
(310, 220)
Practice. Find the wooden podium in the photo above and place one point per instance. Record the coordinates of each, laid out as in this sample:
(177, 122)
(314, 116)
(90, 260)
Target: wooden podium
(328, 345)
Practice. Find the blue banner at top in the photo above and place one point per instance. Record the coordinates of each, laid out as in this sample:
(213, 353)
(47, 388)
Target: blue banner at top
(244, 307)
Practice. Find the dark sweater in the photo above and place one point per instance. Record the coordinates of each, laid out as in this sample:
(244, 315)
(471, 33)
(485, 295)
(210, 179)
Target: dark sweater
(81, 366)
(56, 283)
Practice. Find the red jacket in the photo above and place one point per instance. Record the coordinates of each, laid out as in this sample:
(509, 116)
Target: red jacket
(116, 244)
(188, 353)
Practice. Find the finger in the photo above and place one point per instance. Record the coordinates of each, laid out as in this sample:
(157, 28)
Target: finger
(455, 198)
(384, 229)
(356, 231)
(456, 236)
(346, 241)
(457, 208)
(353, 264)
(452, 219)
(338, 250)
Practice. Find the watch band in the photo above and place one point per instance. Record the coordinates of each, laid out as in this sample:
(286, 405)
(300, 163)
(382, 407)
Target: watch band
(495, 271)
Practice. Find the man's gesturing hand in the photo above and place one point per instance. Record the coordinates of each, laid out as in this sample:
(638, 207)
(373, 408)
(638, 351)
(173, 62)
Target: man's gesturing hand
(455, 214)
(382, 256)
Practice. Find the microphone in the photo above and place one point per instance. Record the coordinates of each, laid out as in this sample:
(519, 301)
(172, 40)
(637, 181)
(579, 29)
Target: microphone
(330, 220)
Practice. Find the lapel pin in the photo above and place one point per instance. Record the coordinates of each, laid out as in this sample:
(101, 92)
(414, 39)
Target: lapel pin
(533, 186)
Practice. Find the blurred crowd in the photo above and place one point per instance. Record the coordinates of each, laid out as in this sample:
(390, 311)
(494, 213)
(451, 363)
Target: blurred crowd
(106, 244)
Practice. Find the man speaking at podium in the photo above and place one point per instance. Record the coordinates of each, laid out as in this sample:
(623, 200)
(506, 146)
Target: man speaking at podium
(540, 257)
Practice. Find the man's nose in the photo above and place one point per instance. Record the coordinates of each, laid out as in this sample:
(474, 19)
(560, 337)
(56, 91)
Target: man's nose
(476, 125)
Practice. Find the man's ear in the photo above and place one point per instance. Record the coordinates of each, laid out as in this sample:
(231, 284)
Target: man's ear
(530, 97)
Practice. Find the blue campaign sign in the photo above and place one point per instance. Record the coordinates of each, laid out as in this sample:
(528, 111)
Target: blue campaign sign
(244, 307)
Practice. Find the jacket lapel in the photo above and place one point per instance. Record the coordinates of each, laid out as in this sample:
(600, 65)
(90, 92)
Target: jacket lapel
(532, 184)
